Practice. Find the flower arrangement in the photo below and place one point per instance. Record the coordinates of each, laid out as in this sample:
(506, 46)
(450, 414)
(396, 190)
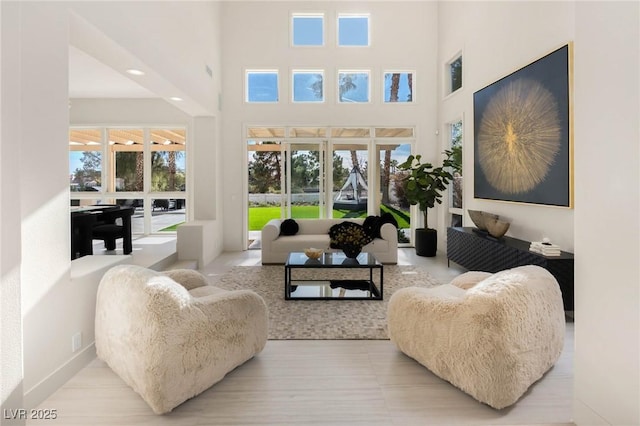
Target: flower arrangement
(348, 234)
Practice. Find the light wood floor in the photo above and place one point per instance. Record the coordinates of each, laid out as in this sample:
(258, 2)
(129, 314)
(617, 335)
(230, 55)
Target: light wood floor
(320, 383)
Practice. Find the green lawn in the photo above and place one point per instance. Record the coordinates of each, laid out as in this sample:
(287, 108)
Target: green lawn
(259, 216)
(171, 228)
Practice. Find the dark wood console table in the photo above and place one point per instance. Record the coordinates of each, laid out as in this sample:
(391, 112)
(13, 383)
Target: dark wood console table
(477, 252)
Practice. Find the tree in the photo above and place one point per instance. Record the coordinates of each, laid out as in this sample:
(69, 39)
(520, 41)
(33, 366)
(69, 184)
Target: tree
(316, 86)
(139, 177)
(305, 170)
(346, 84)
(386, 176)
(126, 169)
(164, 171)
(89, 173)
(340, 173)
(395, 87)
(264, 172)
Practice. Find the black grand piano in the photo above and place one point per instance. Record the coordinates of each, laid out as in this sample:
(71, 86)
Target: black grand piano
(104, 222)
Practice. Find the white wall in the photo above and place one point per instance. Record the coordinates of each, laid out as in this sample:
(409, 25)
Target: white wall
(11, 386)
(46, 289)
(607, 159)
(497, 38)
(35, 120)
(602, 229)
(256, 35)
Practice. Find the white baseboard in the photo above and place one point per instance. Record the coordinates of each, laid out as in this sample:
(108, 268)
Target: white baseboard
(43, 390)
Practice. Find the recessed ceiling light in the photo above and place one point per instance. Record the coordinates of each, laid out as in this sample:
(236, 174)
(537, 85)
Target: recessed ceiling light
(167, 142)
(129, 143)
(175, 98)
(134, 71)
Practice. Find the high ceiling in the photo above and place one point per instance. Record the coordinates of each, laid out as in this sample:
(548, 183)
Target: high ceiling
(90, 78)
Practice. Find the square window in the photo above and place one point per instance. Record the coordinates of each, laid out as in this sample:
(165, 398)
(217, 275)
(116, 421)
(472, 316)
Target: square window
(307, 29)
(353, 30)
(455, 74)
(353, 86)
(398, 86)
(261, 86)
(308, 86)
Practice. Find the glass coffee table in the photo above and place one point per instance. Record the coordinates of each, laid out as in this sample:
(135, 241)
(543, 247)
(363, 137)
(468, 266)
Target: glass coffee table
(333, 276)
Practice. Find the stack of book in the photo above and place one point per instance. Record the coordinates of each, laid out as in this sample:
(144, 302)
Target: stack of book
(545, 249)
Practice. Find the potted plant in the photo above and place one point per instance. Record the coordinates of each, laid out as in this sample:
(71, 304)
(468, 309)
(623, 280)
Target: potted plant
(423, 186)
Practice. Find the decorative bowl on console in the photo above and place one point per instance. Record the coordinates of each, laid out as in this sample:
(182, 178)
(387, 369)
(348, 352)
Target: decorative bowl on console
(478, 220)
(481, 218)
(497, 228)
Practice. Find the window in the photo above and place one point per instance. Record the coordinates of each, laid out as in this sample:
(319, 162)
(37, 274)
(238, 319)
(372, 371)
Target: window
(127, 148)
(398, 86)
(138, 167)
(353, 86)
(168, 160)
(85, 160)
(308, 86)
(394, 132)
(353, 30)
(261, 86)
(326, 171)
(455, 203)
(455, 74)
(307, 29)
(350, 192)
(350, 132)
(307, 132)
(265, 132)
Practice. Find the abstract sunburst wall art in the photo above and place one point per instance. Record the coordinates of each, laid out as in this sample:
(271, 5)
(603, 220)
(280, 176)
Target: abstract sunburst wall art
(522, 134)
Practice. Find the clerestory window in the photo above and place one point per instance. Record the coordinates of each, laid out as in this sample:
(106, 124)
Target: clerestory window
(353, 29)
(307, 29)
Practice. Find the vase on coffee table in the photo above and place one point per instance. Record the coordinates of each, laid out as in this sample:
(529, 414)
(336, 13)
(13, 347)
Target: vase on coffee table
(351, 251)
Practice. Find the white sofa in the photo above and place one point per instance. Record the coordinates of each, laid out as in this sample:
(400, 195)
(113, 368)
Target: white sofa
(170, 336)
(315, 233)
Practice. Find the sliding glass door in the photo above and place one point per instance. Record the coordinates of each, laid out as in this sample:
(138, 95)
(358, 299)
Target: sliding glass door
(317, 172)
(285, 180)
(390, 198)
(306, 198)
(350, 164)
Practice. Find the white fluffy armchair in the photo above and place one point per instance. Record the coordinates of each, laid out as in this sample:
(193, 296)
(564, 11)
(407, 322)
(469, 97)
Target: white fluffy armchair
(170, 335)
(493, 340)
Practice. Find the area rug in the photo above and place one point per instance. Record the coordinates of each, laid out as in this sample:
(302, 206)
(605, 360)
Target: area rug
(321, 319)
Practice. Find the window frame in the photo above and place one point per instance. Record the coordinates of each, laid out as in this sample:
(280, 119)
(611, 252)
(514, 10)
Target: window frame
(108, 194)
(346, 15)
(320, 71)
(353, 71)
(448, 83)
(448, 142)
(413, 86)
(249, 71)
(304, 15)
